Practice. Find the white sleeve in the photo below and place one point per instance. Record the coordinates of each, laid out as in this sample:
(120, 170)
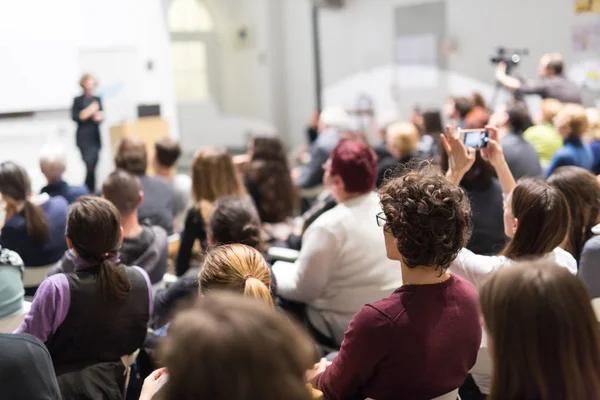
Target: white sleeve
(473, 267)
(564, 259)
(306, 279)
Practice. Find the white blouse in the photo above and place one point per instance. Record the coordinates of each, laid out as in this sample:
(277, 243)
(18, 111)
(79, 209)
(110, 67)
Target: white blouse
(475, 268)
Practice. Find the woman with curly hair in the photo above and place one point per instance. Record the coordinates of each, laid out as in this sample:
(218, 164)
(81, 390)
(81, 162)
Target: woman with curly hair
(536, 215)
(269, 181)
(429, 328)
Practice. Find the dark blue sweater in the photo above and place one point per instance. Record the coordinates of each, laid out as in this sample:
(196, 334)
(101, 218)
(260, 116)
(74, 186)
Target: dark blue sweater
(574, 152)
(14, 235)
(62, 188)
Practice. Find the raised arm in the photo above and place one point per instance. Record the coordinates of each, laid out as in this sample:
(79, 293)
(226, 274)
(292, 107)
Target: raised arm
(460, 158)
(494, 155)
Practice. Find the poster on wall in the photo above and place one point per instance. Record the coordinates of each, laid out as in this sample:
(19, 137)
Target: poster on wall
(587, 6)
(586, 37)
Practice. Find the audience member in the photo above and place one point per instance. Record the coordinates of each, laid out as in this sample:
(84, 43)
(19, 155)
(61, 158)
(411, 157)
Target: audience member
(26, 371)
(542, 334)
(544, 136)
(401, 140)
(157, 206)
(395, 347)
(477, 118)
(571, 122)
(536, 215)
(428, 147)
(52, 164)
(247, 351)
(582, 191)
(457, 109)
(522, 158)
(11, 287)
(487, 215)
(323, 203)
(593, 116)
(34, 227)
(87, 350)
(334, 275)
(234, 220)
(384, 120)
(166, 153)
(268, 180)
(332, 122)
(213, 176)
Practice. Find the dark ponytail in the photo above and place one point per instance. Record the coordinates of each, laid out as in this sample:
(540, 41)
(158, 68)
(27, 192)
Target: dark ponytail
(94, 228)
(16, 185)
(36, 223)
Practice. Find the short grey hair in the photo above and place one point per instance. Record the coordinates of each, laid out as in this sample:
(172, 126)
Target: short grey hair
(53, 160)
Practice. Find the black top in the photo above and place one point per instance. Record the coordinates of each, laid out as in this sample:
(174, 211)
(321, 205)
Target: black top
(194, 229)
(26, 371)
(388, 166)
(488, 218)
(133, 247)
(96, 331)
(62, 188)
(88, 131)
(157, 207)
(554, 87)
(522, 158)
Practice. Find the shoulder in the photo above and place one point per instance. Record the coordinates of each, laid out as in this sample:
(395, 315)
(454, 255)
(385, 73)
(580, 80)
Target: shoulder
(564, 259)
(57, 202)
(9, 257)
(78, 190)
(375, 317)
(20, 341)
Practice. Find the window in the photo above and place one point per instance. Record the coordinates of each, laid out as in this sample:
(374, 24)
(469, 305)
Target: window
(190, 23)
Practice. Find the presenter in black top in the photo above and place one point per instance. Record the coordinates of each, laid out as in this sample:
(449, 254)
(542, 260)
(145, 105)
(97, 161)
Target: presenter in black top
(87, 112)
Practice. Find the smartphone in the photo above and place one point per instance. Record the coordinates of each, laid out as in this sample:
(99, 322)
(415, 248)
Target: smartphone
(476, 138)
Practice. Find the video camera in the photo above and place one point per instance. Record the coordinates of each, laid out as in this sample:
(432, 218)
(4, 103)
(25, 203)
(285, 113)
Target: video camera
(510, 57)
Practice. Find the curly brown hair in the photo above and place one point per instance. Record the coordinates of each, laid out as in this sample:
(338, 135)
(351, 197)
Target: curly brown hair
(429, 216)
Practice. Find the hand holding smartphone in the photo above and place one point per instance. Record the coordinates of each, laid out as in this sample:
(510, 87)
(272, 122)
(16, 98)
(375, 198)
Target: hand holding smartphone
(476, 138)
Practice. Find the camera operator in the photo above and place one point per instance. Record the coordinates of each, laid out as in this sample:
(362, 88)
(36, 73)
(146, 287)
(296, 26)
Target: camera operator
(551, 83)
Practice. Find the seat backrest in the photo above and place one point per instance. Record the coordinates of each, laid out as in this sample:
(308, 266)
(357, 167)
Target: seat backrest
(33, 276)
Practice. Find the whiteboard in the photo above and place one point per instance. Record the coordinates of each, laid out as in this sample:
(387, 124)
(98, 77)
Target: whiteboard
(38, 54)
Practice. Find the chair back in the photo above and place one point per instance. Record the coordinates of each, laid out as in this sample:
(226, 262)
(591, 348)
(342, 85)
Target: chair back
(33, 276)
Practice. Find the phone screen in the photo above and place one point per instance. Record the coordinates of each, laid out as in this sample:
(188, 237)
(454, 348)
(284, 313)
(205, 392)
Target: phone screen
(476, 139)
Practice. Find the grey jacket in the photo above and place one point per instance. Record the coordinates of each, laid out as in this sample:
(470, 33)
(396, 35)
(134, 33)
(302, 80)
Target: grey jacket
(589, 264)
(153, 260)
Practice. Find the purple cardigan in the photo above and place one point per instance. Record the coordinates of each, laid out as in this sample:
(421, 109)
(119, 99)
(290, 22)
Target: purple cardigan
(52, 301)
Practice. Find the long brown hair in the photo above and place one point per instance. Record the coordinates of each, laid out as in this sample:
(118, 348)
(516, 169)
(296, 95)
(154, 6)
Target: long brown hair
(270, 172)
(214, 176)
(543, 216)
(94, 229)
(15, 184)
(544, 336)
(239, 268)
(582, 191)
(229, 347)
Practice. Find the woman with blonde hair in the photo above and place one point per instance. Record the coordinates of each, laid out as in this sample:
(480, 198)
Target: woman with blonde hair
(213, 176)
(571, 122)
(401, 140)
(238, 268)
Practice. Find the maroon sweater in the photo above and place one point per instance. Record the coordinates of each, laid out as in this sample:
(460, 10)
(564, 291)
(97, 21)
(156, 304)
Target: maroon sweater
(419, 343)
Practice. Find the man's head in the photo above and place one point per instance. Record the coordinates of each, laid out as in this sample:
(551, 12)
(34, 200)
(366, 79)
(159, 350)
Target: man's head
(519, 119)
(334, 118)
(124, 190)
(351, 170)
(402, 139)
(166, 152)
(551, 64)
(52, 163)
(132, 156)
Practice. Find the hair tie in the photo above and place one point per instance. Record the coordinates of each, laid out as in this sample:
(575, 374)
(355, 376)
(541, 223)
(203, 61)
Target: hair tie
(247, 277)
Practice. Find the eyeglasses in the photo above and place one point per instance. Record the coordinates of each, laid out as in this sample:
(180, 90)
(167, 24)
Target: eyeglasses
(381, 219)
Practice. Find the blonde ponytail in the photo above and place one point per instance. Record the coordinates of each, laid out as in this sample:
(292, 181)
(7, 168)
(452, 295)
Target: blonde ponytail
(238, 268)
(257, 289)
